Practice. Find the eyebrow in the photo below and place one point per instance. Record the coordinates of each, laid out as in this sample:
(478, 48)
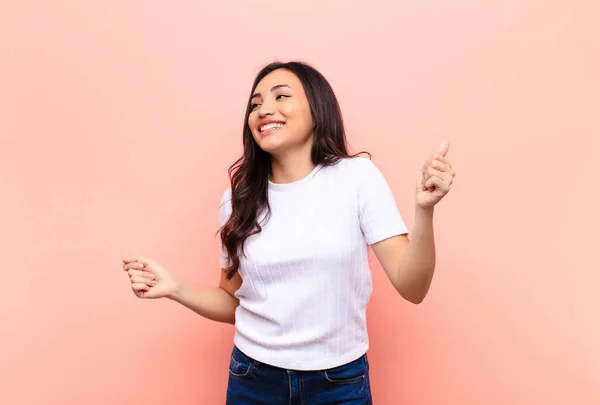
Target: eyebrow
(278, 86)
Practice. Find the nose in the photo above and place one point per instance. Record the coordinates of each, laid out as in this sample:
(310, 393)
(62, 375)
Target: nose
(266, 108)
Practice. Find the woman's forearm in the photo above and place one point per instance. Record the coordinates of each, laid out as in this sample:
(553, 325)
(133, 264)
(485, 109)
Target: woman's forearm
(213, 303)
(418, 263)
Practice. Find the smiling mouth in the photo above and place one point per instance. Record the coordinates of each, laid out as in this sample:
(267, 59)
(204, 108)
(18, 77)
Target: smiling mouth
(270, 128)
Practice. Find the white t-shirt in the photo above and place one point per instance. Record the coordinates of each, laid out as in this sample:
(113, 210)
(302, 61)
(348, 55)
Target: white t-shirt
(306, 276)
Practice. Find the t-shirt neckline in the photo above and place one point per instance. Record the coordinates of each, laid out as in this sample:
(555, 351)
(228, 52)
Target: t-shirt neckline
(295, 184)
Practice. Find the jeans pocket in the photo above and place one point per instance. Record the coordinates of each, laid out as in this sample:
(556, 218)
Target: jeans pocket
(350, 373)
(240, 365)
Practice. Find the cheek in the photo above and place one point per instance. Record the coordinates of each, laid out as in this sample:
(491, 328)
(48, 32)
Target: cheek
(301, 115)
(307, 120)
(303, 112)
(252, 120)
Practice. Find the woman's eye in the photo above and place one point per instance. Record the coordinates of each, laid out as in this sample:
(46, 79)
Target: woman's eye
(253, 106)
(281, 96)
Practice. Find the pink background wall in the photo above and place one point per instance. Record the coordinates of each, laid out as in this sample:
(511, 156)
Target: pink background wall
(118, 120)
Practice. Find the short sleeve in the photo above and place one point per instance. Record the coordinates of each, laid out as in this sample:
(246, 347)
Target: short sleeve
(224, 213)
(378, 212)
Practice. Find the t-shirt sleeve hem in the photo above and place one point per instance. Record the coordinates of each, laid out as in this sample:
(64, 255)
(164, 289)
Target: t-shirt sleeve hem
(386, 234)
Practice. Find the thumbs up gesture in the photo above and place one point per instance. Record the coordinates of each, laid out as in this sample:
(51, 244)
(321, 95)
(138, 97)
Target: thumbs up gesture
(436, 179)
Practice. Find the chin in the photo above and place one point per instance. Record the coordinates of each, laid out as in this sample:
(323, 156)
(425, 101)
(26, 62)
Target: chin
(270, 145)
(270, 148)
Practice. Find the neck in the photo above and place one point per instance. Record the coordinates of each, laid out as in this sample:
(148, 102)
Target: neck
(291, 167)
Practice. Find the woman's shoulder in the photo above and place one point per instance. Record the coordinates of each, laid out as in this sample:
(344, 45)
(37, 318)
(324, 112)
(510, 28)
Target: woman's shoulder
(225, 203)
(225, 207)
(226, 196)
(357, 165)
(358, 170)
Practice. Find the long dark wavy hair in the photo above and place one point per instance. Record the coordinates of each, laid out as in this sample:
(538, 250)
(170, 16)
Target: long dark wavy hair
(250, 173)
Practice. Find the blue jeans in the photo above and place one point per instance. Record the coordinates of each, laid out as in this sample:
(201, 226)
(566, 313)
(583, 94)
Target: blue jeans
(254, 383)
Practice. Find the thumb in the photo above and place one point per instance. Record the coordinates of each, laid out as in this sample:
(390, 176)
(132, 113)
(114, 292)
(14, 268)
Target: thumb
(443, 150)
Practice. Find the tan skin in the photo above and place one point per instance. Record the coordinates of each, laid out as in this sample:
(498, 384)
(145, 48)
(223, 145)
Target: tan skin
(280, 100)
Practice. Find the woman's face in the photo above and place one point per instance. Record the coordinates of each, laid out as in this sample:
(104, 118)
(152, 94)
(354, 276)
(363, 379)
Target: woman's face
(280, 117)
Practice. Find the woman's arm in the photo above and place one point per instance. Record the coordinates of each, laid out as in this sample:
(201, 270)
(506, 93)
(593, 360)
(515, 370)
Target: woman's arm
(214, 303)
(410, 264)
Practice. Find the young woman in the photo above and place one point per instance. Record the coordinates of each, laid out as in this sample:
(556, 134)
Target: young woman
(296, 226)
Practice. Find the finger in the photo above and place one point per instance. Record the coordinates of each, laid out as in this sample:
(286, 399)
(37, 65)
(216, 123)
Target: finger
(437, 173)
(430, 168)
(134, 265)
(141, 260)
(437, 184)
(139, 273)
(144, 280)
(424, 177)
(443, 149)
(432, 182)
(140, 287)
(443, 160)
(445, 176)
(429, 185)
(441, 165)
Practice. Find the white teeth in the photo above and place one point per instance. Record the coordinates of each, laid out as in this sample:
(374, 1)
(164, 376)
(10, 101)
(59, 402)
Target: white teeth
(270, 126)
